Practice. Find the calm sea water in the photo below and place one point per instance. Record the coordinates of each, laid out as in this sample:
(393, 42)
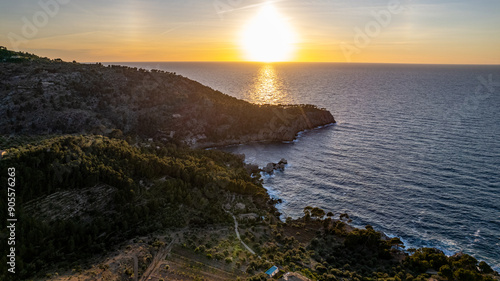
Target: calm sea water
(415, 153)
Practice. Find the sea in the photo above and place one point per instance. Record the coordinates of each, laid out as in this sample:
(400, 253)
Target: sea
(415, 151)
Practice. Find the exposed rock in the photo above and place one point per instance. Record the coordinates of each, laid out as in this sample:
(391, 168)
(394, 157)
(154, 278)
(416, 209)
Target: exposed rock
(458, 255)
(250, 216)
(310, 118)
(240, 206)
(252, 168)
(271, 167)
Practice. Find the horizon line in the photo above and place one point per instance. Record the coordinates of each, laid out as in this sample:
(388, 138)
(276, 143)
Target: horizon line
(259, 62)
(280, 62)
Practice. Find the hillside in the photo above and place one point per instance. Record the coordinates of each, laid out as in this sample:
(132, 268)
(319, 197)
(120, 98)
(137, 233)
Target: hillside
(82, 195)
(42, 96)
(89, 206)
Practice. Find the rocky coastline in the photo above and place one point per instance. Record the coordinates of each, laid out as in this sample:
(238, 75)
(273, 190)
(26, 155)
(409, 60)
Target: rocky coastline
(271, 167)
(312, 119)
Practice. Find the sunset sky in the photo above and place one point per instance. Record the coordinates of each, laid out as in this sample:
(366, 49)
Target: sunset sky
(416, 31)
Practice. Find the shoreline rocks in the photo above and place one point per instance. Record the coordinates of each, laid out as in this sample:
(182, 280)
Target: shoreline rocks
(271, 167)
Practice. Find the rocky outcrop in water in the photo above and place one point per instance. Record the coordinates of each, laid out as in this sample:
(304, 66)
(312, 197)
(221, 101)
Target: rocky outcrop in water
(271, 167)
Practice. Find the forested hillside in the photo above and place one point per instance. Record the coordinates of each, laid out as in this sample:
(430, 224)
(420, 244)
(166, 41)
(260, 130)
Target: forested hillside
(42, 96)
(116, 191)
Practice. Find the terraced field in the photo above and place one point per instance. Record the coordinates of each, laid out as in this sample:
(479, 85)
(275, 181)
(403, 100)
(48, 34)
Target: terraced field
(71, 203)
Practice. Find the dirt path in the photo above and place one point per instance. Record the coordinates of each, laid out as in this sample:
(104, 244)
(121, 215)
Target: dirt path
(136, 267)
(160, 256)
(238, 234)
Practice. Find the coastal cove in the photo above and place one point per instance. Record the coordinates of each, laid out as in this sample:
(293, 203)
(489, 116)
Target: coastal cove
(413, 152)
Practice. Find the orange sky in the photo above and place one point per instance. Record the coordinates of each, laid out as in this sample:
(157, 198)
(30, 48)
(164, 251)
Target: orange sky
(458, 32)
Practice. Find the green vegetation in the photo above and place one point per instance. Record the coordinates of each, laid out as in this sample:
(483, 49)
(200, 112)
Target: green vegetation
(83, 195)
(327, 249)
(11, 56)
(151, 189)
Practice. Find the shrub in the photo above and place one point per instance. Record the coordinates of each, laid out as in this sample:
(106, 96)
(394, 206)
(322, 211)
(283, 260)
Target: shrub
(485, 268)
(446, 272)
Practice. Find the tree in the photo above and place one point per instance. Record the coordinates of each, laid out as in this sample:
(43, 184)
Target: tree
(396, 242)
(307, 212)
(485, 268)
(39, 88)
(116, 133)
(317, 213)
(345, 218)
(446, 272)
(464, 275)
(71, 244)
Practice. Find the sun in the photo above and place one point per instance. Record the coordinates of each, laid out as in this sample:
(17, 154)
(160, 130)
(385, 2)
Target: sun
(268, 37)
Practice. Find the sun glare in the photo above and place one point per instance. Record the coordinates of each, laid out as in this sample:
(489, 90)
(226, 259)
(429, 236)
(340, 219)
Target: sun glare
(268, 37)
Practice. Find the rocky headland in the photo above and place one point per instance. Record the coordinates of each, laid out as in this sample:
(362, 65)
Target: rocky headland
(42, 96)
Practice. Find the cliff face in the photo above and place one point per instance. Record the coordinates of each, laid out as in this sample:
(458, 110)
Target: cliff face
(306, 121)
(40, 96)
(284, 125)
(277, 130)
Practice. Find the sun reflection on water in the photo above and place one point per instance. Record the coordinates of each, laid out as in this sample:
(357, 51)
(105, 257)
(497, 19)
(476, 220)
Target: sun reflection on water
(269, 88)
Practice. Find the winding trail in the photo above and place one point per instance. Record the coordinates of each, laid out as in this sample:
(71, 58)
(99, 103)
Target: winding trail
(238, 234)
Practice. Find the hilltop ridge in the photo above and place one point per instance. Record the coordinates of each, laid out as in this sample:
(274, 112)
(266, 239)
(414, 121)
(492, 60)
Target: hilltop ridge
(43, 96)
